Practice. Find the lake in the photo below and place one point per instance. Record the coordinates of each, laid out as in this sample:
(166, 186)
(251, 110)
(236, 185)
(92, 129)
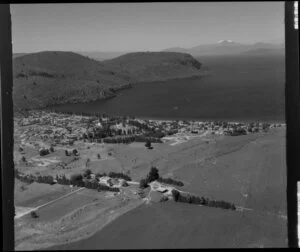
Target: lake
(243, 88)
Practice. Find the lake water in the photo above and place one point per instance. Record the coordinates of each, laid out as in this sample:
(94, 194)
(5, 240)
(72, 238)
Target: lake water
(243, 88)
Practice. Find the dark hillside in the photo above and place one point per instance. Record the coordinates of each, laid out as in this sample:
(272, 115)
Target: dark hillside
(47, 78)
(157, 66)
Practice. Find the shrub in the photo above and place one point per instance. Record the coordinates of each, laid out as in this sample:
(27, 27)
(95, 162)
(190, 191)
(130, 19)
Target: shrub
(76, 177)
(43, 152)
(87, 173)
(143, 183)
(163, 198)
(34, 214)
(175, 195)
(148, 144)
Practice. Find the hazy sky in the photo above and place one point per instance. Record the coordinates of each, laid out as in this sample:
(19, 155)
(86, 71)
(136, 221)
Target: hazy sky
(142, 26)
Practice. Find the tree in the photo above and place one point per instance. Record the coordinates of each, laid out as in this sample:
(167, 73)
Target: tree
(175, 195)
(75, 152)
(87, 164)
(76, 177)
(153, 174)
(34, 214)
(43, 152)
(148, 144)
(143, 183)
(87, 173)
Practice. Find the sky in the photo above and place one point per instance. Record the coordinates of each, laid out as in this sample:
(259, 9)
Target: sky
(124, 27)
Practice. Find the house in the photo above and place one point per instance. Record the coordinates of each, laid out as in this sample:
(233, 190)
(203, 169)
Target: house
(106, 181)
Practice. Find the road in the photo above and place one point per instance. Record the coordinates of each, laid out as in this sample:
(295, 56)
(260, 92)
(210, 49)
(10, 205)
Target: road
(46, 204)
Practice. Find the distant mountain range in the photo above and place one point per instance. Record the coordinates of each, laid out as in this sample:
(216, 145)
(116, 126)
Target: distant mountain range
(229, 47)
(222, 47)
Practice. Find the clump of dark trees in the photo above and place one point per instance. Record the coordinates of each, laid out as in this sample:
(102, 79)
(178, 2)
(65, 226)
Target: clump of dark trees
(119, 175)
(151, 176)
(75, 180)
(170, 181)
(191, 199)
(44, 152)
(154, 175)
(148, 144)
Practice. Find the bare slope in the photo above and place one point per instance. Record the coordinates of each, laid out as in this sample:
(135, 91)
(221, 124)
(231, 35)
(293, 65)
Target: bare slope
(47, 78)
(157, 66)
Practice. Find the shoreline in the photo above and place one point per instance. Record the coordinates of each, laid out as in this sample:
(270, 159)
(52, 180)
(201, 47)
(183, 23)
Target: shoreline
(166, 118)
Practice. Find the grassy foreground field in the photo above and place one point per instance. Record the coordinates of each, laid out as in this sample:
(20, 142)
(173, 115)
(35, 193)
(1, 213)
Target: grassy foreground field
(247, 170)
(176, 225)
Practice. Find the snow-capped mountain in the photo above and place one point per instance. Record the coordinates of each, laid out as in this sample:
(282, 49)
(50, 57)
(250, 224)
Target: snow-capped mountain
(229, 47)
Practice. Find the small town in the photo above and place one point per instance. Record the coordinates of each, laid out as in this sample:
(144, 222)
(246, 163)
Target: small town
(41, 128)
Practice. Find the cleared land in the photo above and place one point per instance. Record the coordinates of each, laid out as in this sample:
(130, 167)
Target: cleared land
(246, 170)
(176, 225)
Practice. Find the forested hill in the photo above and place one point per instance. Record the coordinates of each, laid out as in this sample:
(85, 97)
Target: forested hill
(48, 78)
(157, 66)
(54, 77)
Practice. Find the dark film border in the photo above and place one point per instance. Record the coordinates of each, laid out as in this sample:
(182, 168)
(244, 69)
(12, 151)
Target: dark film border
(292, 115)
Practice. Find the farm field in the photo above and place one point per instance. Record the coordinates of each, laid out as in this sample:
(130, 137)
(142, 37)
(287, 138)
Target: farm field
(248, 171)
(71, 218)
(175, 225)
(35, 194)
(251, 172)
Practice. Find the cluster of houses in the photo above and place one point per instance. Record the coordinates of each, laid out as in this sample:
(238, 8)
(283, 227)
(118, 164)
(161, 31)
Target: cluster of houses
(65, 129)
(111, 182)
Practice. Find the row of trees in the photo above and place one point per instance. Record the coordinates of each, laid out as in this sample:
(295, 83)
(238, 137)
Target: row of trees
(24, 178)
(170, 181)
(191, 199)
(119, 175)
(75, 180)
(130, 139)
